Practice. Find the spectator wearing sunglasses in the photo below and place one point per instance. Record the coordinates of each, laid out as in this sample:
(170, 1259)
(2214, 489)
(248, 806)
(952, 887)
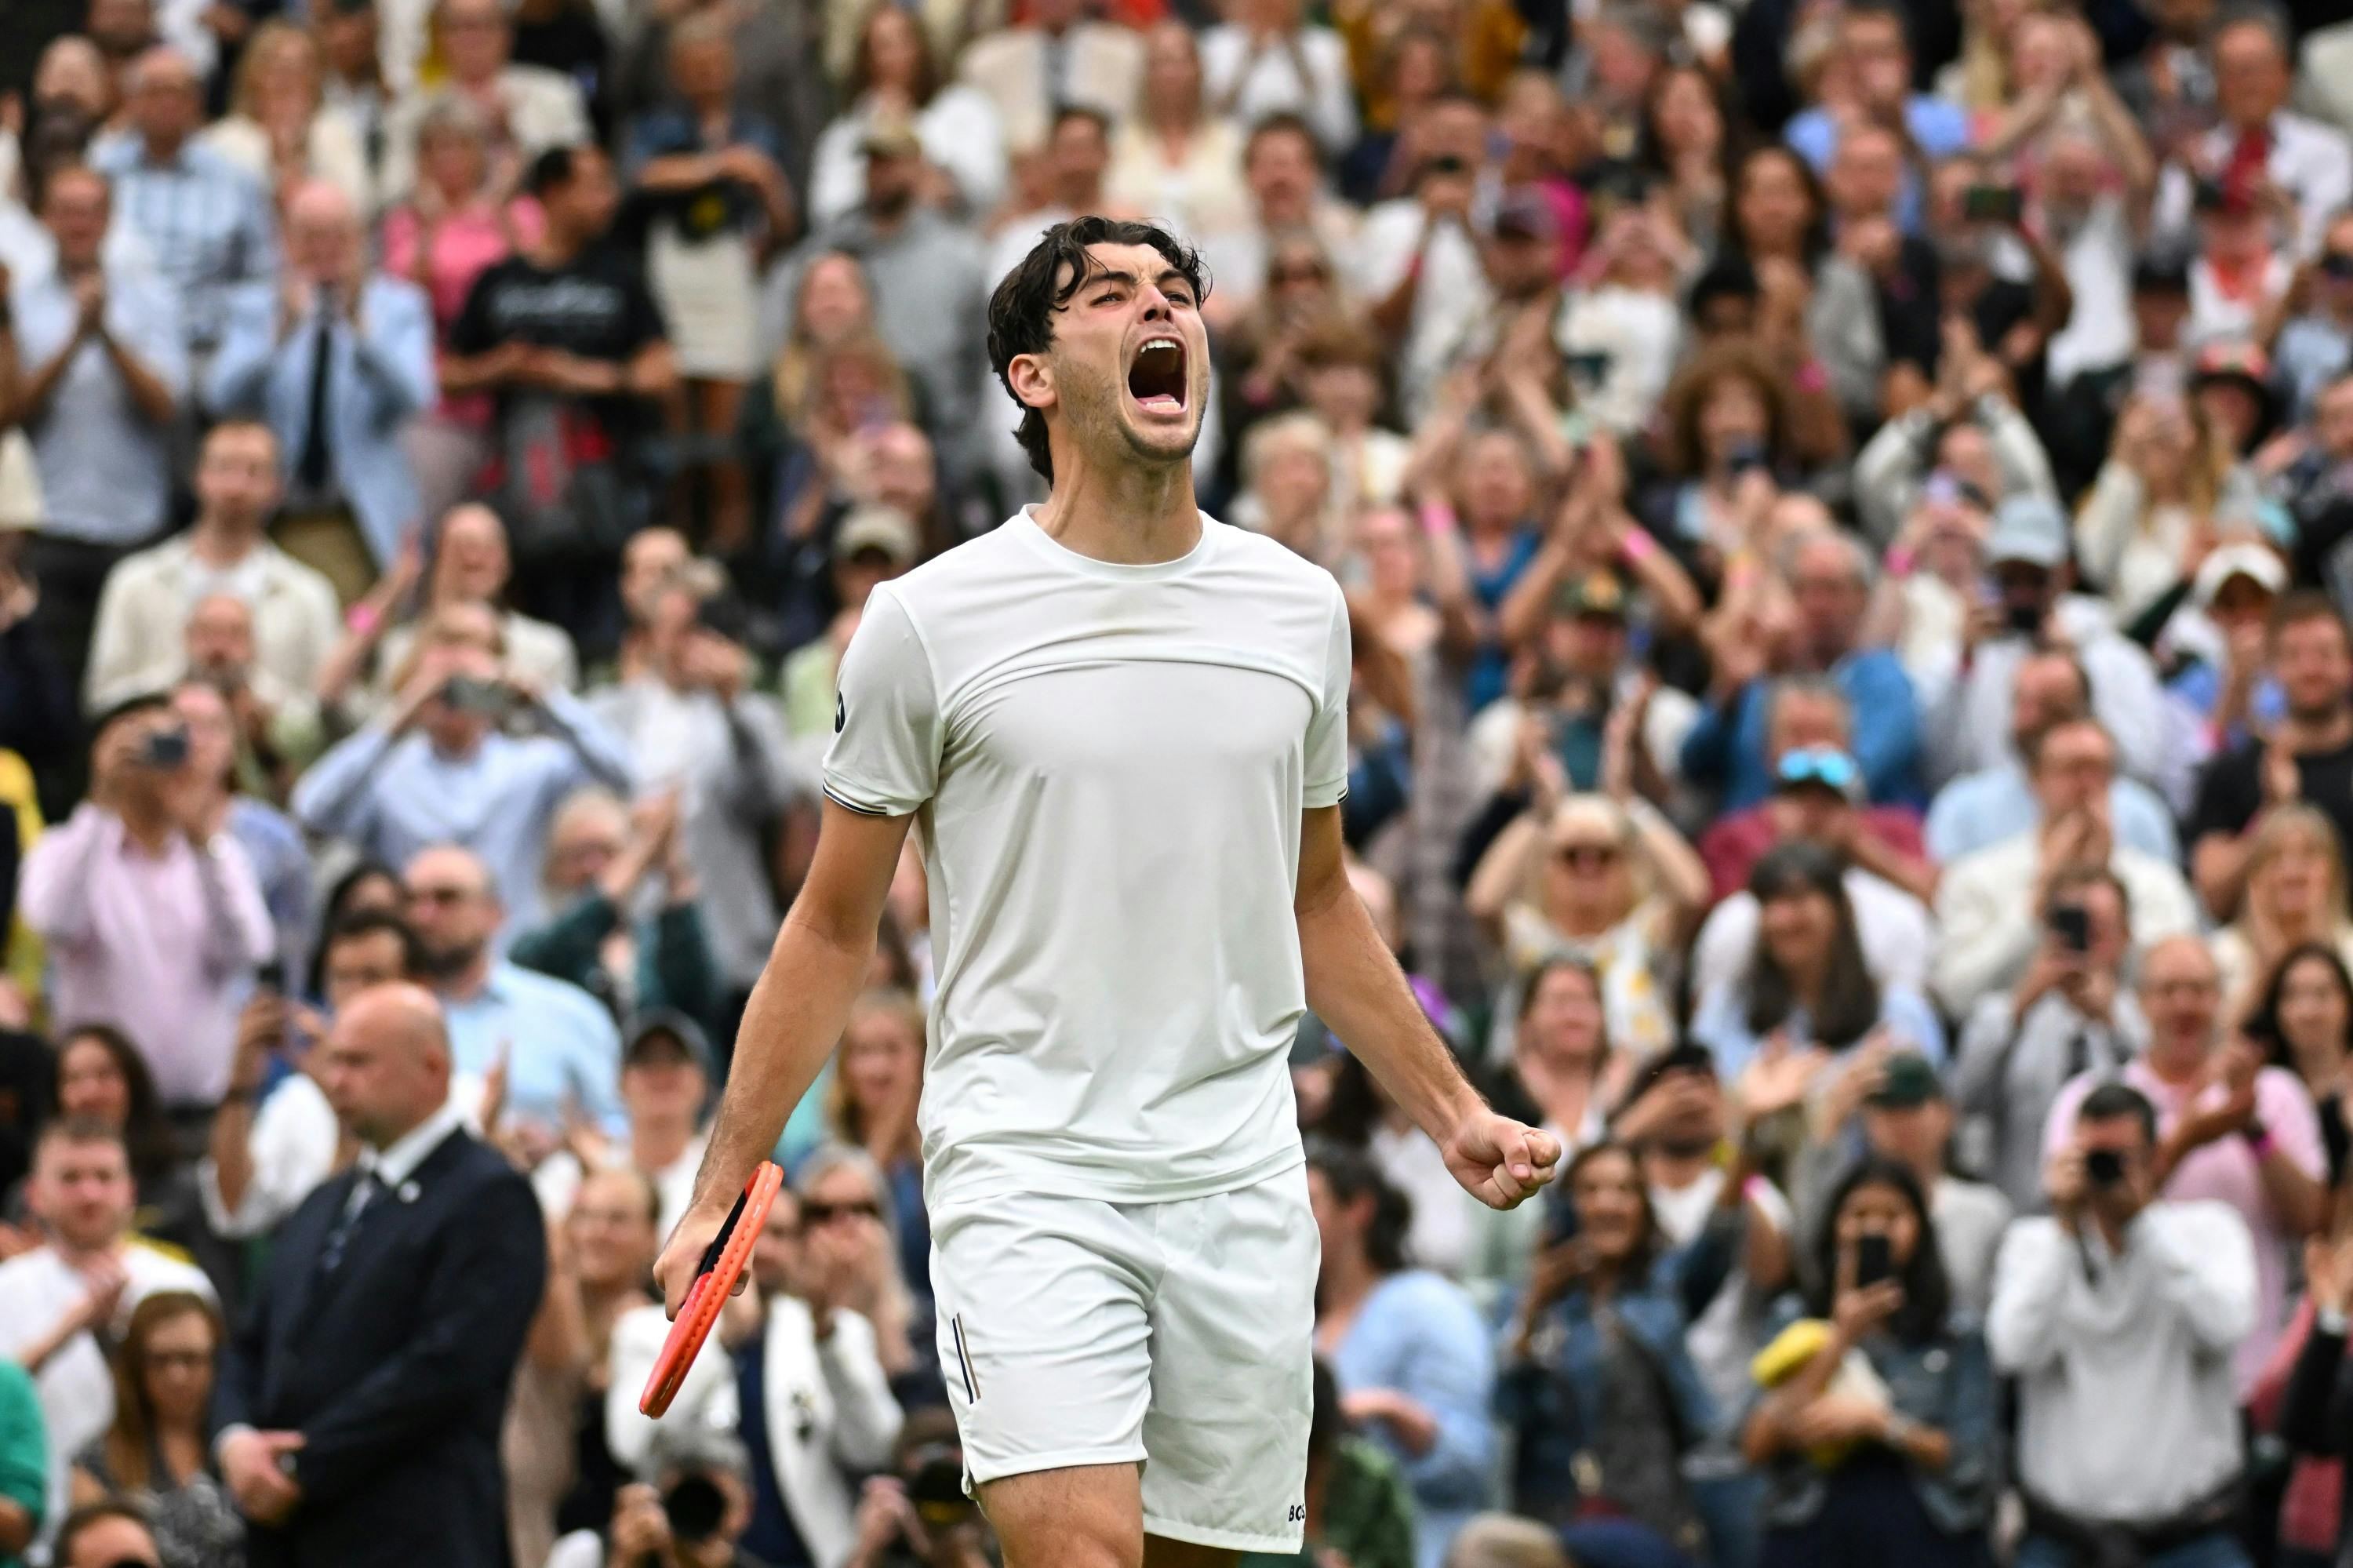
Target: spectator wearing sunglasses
(1817, 794)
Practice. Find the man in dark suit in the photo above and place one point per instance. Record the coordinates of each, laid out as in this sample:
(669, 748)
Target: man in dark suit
(360, 1400)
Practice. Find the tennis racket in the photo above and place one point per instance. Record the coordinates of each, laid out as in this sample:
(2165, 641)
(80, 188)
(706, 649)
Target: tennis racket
(723, 1262)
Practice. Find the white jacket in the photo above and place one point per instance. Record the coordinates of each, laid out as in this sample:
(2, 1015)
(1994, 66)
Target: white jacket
(830, 1412)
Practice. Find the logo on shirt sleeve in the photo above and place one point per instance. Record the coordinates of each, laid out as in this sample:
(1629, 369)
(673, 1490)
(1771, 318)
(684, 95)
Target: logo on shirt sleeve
(840, 712)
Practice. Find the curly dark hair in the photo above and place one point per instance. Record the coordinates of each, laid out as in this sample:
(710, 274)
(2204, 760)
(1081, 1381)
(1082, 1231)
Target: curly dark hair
(1021, 312)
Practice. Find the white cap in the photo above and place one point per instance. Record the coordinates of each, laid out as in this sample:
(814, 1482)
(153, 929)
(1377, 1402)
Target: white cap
(2240, 558)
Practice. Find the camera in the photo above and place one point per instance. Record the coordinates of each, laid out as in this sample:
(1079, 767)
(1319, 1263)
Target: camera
(472, 694)
(164, 749)
(694, 1506)
(2071, 925)
(1991, 203)
(2104, 1166)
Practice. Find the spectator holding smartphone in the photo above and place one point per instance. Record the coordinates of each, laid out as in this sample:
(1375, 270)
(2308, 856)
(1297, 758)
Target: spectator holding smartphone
(1879, 1424)
(2118, 1314)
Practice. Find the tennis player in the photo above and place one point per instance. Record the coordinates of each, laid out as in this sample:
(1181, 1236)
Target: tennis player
(1120, 728)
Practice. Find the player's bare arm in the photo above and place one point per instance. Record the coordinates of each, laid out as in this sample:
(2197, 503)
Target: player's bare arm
(1355, 986)
(797, 1012)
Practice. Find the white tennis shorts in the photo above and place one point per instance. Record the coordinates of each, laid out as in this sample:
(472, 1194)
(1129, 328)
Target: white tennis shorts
(1074, 1332)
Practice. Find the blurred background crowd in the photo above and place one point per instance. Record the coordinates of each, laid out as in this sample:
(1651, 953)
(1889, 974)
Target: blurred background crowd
(1846, 508)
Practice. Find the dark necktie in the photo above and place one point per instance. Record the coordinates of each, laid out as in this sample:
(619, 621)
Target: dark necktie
(347, 1224)
(312, 468)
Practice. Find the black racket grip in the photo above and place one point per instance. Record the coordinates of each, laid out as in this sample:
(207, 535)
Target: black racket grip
(719, 1243)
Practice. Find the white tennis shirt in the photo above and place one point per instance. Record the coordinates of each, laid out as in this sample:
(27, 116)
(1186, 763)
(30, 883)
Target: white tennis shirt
(1107, 766)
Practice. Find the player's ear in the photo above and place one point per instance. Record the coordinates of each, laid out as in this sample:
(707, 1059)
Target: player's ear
(1032, 380)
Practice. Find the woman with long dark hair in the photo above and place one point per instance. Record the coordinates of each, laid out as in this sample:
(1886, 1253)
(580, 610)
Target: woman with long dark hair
(1596, 1383)
(158, 1450)
(2303, 1021)
(1406, 1345)
(1807, 989)
(1878, 1422)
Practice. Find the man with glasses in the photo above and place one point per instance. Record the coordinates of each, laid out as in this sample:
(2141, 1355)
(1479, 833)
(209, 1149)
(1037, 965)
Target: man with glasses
(558, 1050)
(2229, 1129)
(1991, 932)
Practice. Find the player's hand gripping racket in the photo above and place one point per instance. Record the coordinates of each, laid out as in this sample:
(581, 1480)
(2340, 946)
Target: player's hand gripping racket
(722, 1264)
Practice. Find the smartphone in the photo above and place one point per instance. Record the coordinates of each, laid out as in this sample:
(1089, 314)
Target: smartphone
(1874, 1260)
(1744, 456)
(1991, 203)
(271, 975)
(2104, 1166)
(2071, 925)
(165, 750)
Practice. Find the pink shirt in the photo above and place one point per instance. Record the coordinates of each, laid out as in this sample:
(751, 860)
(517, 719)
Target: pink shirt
(464, 245)
(162, 946)
(2226, 1172)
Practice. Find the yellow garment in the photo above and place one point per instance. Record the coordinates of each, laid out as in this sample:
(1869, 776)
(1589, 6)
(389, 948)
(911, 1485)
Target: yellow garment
(25, 955)
(1792, 1349)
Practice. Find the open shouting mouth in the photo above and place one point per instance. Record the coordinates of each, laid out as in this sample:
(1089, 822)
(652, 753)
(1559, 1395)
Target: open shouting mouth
(1156, 377)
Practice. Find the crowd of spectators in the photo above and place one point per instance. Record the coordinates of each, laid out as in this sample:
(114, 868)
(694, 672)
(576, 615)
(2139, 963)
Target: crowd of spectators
(1846, 510)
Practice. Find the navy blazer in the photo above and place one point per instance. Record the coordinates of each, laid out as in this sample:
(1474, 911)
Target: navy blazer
(396, 1367)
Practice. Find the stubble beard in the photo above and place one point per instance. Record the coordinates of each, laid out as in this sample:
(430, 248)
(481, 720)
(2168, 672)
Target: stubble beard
(1102, 429)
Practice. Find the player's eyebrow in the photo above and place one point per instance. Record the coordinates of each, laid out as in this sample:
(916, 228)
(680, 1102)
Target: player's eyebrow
(1129, 280)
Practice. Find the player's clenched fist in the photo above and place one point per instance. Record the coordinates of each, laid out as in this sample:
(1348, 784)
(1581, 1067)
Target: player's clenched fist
(1498, 1160)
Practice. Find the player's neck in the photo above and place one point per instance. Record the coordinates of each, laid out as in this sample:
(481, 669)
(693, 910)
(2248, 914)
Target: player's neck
(1129, 514)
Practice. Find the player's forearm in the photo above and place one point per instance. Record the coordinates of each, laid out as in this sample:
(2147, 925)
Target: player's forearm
(1357, 989)
(795, 1013)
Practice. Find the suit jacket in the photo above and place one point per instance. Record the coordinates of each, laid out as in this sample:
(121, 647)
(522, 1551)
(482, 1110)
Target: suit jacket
(380, 376)
(396, 1367)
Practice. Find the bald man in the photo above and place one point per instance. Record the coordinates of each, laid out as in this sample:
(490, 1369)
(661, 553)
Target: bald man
(360, 1400)
(350, 491)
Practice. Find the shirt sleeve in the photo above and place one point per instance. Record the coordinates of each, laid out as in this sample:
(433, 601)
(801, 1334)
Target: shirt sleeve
(885, 756)
(1327, 731)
